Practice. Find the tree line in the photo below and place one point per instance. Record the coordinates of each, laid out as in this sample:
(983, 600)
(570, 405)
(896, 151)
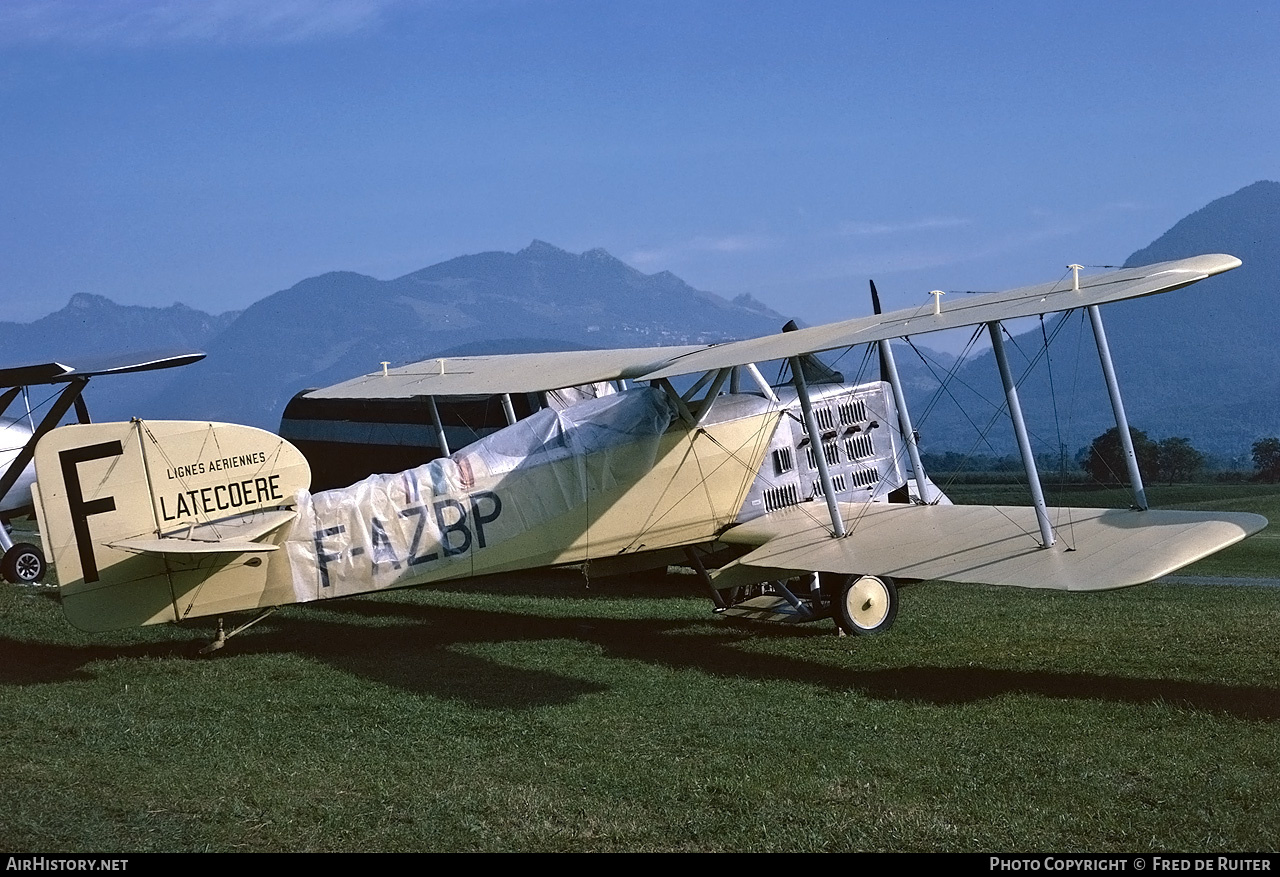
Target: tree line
(1171, 460)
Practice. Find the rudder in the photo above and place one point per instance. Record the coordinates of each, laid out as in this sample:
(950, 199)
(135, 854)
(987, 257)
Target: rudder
(111, 496)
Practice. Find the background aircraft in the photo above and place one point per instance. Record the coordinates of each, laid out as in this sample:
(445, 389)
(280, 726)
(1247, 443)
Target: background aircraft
(780, 497)
(23, 562)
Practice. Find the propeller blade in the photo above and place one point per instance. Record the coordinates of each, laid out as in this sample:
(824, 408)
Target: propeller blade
(875, 307)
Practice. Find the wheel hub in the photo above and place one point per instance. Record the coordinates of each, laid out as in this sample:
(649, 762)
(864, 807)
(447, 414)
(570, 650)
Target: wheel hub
(867, 602)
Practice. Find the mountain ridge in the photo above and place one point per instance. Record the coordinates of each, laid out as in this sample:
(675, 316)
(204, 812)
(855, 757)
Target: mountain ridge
(354, 322)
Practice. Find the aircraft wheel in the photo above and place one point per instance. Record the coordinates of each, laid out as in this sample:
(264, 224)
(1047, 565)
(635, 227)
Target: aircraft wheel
(865, 604)
(23, 564)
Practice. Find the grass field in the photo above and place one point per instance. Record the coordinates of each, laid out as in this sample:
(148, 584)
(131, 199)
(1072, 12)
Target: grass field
(535, 713)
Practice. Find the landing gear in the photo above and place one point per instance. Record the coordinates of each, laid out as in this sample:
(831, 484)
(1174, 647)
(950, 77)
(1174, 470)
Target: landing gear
(23, 564)
(862, 605)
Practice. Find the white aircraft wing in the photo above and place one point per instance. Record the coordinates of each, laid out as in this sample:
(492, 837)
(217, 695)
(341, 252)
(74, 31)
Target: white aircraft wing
(504, 373)
(1098, 549)
(33, 374)
(1028, 301)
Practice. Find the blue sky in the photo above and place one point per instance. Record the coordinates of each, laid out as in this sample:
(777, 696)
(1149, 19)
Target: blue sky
(214, 152)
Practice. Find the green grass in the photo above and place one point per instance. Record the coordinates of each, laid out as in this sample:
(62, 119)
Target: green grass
(533, 713)
(536, 713)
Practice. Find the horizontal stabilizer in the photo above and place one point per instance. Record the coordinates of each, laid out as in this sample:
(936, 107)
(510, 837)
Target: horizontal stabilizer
(230, 536)
(190, 546)
(1097, 549)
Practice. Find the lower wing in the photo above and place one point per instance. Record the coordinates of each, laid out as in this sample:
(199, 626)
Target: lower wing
(1097, 549)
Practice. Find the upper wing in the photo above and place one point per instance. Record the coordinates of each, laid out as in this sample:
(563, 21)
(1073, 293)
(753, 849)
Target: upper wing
(58, 372)
(1025, 302)
(504, 373)
(994, 545)
(534, 372)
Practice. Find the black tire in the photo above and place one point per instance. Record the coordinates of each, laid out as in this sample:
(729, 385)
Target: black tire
(23, 564)
(864, 605)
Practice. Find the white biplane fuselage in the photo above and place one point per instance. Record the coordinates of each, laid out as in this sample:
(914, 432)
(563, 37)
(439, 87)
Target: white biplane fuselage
(602, 481)
(597, 482)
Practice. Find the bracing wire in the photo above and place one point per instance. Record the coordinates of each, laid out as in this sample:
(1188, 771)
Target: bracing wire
(983, 433)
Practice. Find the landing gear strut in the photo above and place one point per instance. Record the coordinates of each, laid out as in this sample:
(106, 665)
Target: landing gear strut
(861, 605)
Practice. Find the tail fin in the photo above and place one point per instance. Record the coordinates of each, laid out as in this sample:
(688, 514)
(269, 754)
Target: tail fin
(154, 521)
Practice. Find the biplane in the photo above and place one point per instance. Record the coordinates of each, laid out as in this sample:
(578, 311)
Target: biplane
(23, 562)
(794, 502)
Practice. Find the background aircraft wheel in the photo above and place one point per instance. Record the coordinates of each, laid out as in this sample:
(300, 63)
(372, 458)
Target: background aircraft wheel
(864, 604)
(23, 564)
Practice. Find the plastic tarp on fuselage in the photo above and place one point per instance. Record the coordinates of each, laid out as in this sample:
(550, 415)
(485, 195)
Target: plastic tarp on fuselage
(460, 515)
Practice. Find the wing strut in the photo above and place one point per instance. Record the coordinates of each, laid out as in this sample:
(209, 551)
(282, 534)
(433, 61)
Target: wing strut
(889, 372)
(815, 444)
(1117, 406)
(1020, 431)
(435, 421)
(760, 382)
(705, 407)
(7, 399)
(508, 409)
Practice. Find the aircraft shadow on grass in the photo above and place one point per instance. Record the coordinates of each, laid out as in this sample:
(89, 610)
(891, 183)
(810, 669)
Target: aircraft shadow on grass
(416, 648)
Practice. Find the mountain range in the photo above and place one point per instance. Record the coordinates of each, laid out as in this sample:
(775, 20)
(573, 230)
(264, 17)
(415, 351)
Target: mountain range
(92, 325)
(1200, 362)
